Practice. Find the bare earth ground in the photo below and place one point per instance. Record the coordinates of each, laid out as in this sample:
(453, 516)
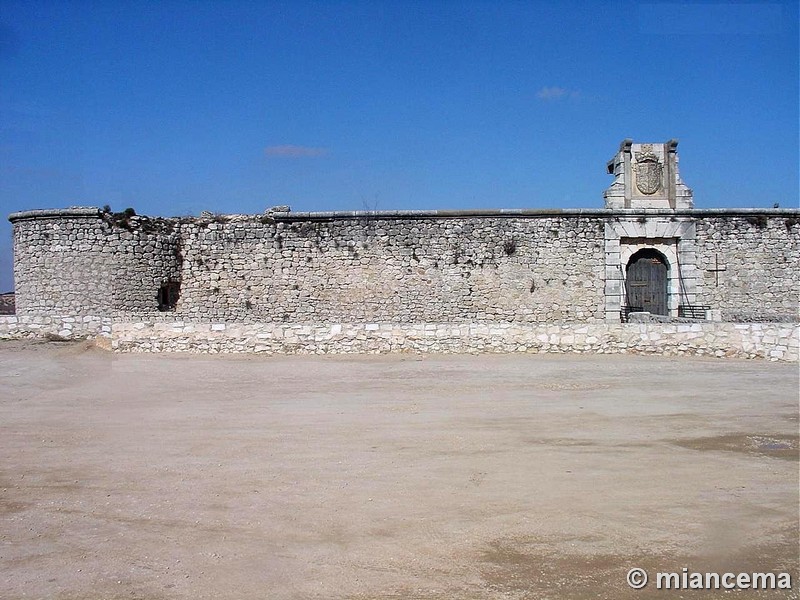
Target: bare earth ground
(164, 476)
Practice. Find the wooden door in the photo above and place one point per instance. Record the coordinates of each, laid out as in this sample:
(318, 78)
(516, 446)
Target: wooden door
(646, 283)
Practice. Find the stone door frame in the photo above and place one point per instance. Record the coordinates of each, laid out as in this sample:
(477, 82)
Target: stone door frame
(673, 237)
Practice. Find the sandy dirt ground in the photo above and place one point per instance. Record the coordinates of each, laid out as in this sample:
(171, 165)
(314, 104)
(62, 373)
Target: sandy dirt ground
(431, 477)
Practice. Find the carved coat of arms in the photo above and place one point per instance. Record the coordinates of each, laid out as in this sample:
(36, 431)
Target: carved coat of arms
(648, 170)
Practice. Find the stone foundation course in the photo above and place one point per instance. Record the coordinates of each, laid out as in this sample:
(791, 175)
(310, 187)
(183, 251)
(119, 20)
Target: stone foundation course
(67, 328)
(772, 341)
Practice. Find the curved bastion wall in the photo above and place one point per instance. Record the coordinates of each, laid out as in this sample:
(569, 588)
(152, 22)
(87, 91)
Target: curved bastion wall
(80, 261)
(62, 263)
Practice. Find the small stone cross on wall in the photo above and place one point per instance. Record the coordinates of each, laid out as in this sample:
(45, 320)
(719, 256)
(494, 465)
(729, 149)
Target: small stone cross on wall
(716, 270)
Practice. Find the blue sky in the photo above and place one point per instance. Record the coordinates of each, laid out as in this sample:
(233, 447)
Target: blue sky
(177, 107)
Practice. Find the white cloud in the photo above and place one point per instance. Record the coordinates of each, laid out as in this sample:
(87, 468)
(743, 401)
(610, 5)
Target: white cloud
(555, 93)
(292, 151)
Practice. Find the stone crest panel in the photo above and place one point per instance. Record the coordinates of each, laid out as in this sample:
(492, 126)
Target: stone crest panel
(648, 170)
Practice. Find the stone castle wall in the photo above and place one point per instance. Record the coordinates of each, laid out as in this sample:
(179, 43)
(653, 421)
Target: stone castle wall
(514, 266)
(758, 258)
(395, 270)
(429, 281)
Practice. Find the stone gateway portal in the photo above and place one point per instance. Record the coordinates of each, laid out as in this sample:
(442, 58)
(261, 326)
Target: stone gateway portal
(646, 282)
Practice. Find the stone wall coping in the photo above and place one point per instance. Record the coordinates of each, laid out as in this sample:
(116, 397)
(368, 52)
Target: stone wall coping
(55, 213)
(89, 211)
(534, 213)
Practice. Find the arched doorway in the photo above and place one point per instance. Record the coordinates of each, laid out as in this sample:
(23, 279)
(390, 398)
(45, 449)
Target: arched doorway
(646, 278)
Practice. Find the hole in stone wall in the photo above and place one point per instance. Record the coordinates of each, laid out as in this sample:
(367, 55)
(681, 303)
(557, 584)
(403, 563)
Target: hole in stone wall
(759, 221)
(168, 295)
